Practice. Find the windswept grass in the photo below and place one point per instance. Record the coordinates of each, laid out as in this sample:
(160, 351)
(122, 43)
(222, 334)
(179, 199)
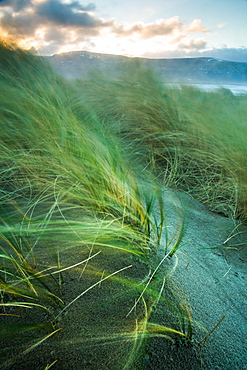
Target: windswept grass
(218, 123)
(82, 168)
(190, 139)
(72, 197)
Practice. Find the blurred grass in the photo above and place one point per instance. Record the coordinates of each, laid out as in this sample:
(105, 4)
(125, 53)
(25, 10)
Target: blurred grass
(217, 120)
(188, 138)
(67, 184)
(82, 167)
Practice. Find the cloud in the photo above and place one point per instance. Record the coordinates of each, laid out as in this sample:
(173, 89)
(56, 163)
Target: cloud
(54, 25)
(78, 6)
(172, 27)
(16, 5)
(192, 45)
(37, 23)
(197, 26)
(221, 25)
(17, 14)
(72, 14)
(18, 25)
(58, 36)
(161, 27)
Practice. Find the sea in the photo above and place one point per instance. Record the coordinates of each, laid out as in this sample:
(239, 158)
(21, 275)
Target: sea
(235, 89)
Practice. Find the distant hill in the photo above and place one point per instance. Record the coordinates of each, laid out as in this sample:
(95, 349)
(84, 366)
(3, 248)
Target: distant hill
(78, 64)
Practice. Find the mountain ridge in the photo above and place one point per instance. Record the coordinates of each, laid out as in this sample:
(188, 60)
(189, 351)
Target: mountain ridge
(78, 64)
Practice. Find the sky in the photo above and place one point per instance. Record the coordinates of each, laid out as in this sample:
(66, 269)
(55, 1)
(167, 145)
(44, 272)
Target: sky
(143, 28)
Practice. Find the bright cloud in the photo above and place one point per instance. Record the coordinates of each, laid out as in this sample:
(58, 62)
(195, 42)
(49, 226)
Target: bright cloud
(192, 45)
(161, 27)
(197, 26)
(57, 25)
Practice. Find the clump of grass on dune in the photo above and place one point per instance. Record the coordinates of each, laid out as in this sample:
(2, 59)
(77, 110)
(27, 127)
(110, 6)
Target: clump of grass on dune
(68, 185)
(217, 122)
(45, 145)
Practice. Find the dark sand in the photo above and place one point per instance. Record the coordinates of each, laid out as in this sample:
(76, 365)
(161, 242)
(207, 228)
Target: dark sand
(212, 278)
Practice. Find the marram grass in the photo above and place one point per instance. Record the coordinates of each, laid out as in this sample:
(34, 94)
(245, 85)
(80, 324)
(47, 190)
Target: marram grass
(82, 166)
(193, 140)
(67, 183)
